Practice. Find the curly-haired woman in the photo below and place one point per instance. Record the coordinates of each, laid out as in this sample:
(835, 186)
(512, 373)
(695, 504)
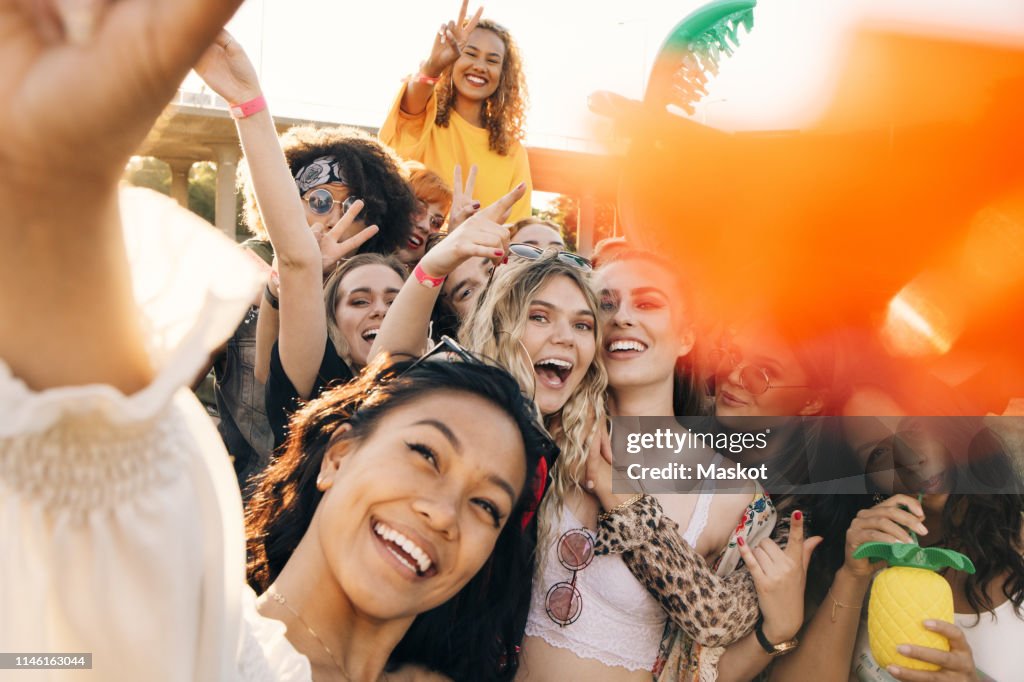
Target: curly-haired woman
(467, 105)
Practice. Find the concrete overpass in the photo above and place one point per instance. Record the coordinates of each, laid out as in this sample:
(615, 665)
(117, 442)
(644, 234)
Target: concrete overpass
(196, 126)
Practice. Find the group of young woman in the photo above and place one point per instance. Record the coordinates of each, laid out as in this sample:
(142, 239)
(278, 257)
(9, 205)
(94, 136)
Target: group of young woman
(435, 509)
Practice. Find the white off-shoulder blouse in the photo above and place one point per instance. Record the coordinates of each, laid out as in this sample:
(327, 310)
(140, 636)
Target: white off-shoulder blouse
(120, 517)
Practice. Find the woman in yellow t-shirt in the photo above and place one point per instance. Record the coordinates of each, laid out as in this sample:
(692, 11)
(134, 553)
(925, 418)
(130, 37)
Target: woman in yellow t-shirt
(467, 106)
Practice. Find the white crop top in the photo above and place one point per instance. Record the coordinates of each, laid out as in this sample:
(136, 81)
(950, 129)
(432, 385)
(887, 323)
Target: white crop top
(620, 623)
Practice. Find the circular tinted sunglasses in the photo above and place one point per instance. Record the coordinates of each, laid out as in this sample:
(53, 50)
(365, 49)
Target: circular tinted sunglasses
(752, 379)
(530, 252)
(575, 551)
(321, 202)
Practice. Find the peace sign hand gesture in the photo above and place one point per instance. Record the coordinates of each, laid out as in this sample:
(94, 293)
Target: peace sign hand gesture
(463, 203)
(449, 41)
(483, 236)
(334, 246)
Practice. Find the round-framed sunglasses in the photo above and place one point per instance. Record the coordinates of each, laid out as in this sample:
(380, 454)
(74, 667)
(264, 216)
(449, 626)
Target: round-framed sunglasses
(575, 551)
(752, 378)
(530, 252)
(321, 202)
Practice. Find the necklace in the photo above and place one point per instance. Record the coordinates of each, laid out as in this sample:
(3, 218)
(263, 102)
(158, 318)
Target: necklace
(279, 598)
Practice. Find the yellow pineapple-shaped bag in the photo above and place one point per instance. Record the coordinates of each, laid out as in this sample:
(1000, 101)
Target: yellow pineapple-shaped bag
(906, 594)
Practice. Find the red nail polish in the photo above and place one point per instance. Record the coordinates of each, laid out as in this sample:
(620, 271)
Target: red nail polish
(798, 515)
(504, 261)
(476, 204)
(740, 541)
(499, 254)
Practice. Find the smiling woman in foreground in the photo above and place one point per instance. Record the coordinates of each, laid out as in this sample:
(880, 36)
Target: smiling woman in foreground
(379, 510)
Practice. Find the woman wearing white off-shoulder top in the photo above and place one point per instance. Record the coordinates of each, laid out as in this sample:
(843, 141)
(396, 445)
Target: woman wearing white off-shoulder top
(120, 519)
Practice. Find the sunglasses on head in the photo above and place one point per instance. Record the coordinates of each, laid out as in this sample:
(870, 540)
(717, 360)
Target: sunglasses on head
(530, 252)
(321, 201)
(449, 349)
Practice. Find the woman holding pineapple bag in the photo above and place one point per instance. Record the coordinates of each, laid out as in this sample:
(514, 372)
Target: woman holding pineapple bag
(987, 588)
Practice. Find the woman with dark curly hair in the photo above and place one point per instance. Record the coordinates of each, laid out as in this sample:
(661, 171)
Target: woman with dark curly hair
(384, 533)
(926, 475)
(467, 105)
(348, 163)
(345, 179)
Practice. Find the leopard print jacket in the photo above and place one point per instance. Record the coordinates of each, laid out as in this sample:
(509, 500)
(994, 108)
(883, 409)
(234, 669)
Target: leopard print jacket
(713, 611)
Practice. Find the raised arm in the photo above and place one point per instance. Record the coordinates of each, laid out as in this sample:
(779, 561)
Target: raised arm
(80, 92)
(448, 43)
(303, 324)
(404, 329)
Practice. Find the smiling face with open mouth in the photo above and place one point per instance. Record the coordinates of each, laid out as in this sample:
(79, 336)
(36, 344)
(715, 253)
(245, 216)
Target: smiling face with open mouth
(643, 334)
(477, 72)
(414, 510)
(423, 226)
(364, 296)
(560, 339)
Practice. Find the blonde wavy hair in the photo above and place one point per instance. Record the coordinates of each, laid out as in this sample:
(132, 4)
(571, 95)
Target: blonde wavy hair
(495, 329)
(504, 112)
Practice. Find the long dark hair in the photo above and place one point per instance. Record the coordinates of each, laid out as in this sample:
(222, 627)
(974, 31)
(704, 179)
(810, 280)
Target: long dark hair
(471, 637)
(987, 527)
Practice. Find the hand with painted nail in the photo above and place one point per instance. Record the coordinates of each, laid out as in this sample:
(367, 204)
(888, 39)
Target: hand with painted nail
(449, 40)
(887, 521)
(956, 665)
(482, 236)
(780, 576)
(463, 204)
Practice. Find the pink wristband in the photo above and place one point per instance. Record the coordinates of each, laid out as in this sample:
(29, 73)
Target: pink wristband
(425, 279)
(247, 109)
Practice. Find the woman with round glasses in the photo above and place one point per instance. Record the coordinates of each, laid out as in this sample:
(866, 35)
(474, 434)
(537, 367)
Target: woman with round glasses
(779, 567)
(308, 347)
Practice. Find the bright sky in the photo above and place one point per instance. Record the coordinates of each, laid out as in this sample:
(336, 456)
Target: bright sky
(343, 61)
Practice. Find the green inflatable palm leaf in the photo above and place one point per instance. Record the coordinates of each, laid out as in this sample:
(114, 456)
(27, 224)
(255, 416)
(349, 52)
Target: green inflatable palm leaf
(694, 49)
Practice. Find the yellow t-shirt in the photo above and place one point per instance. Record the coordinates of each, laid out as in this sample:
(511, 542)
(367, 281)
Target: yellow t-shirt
(439, 149)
